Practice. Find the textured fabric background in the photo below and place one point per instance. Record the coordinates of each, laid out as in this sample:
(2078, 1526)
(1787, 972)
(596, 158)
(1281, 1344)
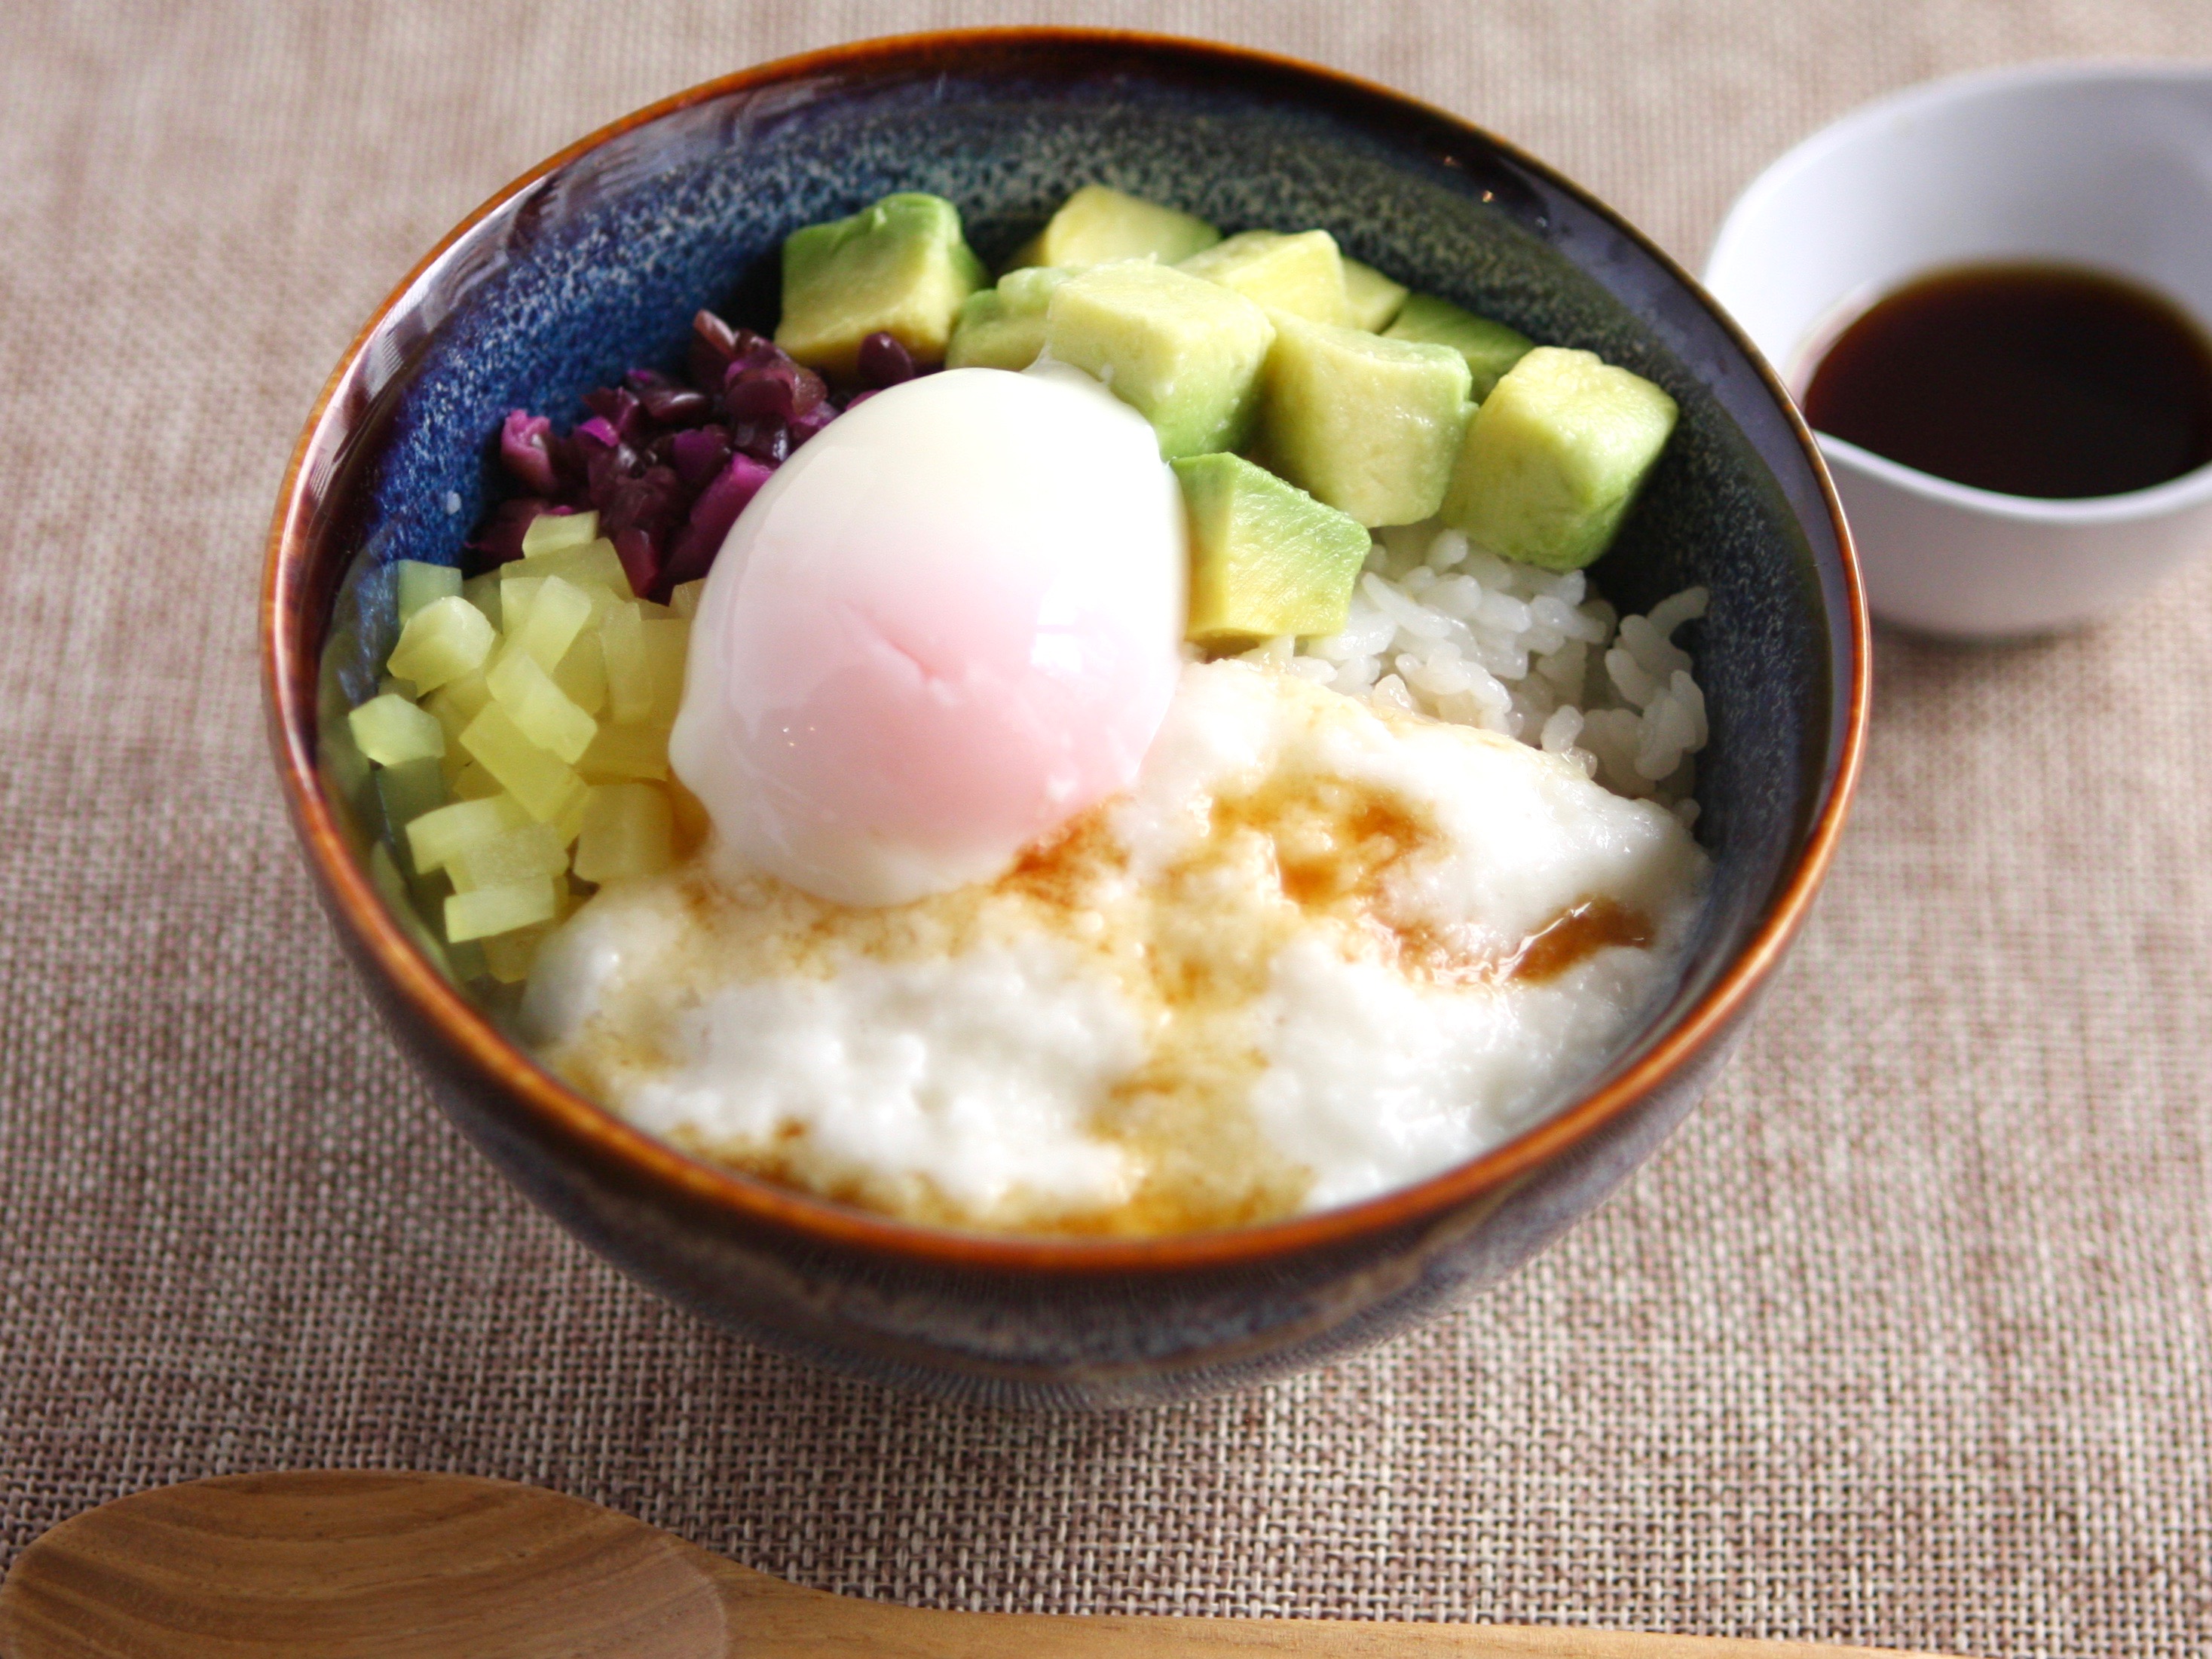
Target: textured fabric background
(1905, 1339)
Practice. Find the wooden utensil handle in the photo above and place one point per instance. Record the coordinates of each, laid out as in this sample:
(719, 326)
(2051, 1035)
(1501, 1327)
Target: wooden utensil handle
(771, 1619)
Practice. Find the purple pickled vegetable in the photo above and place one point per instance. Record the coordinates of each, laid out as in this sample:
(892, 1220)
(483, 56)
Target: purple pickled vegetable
(691, 554)
(654, 501)
(619, 407)
(598, 432)
(640, 559)
(675, 405)
(714, 344)
(884, 362)
(526, 443)
(699, 454)
(761, 394)
(803, 427)
(766, 440)
(669, 461)
(777, 388)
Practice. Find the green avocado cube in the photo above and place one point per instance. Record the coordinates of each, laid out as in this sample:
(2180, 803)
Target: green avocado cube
(1184, 353)
(1266, 558)
(1490, 348)
(1099, 225)
(1554, 456)
(1370, 425)
(1374, 298)
(899, 267)
(1302, 273)
(1003, 327)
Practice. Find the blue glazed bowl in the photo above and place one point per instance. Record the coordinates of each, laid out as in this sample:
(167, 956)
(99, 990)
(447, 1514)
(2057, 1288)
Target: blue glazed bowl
(595, 262)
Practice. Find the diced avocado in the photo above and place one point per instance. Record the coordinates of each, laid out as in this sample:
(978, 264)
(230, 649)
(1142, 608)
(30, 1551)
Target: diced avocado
(1490, 348)
(1302, 273)
(899, 267)
(1003, 327)
(1373, 297)
(1370, 425)
(1266, 558)
(1554, 456)
(1096, 226)
(1184, 353)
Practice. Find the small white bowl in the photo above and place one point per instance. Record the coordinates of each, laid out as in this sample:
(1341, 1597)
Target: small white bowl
(2103, 165)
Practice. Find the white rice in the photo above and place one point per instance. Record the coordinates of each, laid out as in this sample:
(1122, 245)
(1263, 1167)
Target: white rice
(1454, 632)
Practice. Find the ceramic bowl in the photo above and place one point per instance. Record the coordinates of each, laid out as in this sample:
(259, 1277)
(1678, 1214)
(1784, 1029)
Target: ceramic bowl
(2106, 166)
(595, 261)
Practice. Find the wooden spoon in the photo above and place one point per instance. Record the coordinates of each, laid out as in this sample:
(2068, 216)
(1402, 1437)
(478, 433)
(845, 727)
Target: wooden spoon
(364, 1565)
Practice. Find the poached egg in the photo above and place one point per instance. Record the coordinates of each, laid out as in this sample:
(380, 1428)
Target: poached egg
(949, 623)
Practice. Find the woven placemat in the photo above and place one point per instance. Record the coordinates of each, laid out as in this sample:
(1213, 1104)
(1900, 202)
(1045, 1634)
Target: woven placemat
(1906, 1339)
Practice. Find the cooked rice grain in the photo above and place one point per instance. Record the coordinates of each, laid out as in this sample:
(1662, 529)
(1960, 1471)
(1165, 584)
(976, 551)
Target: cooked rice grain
(1443, 628)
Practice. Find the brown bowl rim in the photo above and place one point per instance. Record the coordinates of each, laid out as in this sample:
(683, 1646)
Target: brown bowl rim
(409, 976)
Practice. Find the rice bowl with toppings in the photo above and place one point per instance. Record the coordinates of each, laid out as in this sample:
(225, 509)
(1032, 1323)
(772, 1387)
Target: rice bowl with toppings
(932, 805)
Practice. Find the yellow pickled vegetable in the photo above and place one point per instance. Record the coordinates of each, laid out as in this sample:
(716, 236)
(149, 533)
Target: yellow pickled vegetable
(472, 783)
(557, 614)
(436, 837)
(489, 910)
(540, 709)
(548, 532)
(583, 674)
(540, 780)
(414, 585)
(391, 731)
(628, 669)
(629, 830)
(514, 855)
(443, 640)
(627, 751)
(666, 644)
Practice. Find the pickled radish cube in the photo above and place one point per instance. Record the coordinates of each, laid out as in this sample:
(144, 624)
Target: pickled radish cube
(665, 644)
(540, 780)
(629, 830)
(570, 823)
(540, 709)
(472, 783)
(483, 592)
(408, 790)
(620, 753)
(456, 703)
(556, 614)
(595, 564)
(415, 584)
(548, 532)
(684, 600)
(508, 958)
(391, 731)
(628, 671)
(392, 887)
(345, 770)
(437, 837)
(390, 685)
(443, 640)
(490, 911)
(515, 593)
(582, 673)
(528, 850)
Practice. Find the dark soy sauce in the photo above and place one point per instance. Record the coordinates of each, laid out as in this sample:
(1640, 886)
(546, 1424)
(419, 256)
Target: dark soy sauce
(2032, 379)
